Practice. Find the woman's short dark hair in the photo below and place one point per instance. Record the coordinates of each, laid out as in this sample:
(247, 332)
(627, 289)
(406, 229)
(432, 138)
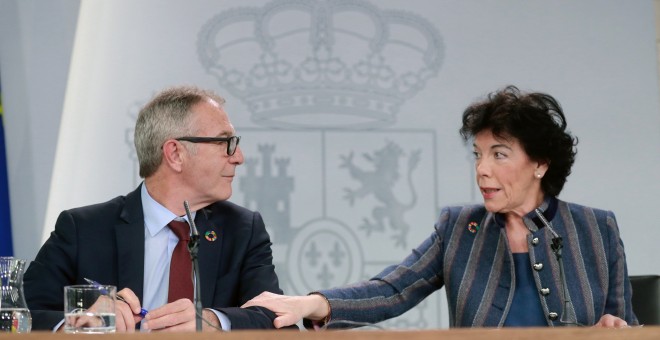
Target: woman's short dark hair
(536, 121)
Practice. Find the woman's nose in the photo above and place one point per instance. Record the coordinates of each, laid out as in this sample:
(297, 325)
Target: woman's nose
(483, 169)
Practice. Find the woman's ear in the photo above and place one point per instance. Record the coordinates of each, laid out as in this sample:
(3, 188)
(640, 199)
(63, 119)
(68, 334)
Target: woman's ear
(541, 168)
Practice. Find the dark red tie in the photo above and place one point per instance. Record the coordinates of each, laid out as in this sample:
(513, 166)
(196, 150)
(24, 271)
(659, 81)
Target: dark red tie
(181, 285)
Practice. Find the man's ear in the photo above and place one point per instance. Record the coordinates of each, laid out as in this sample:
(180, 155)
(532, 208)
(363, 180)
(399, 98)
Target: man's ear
(173, 154)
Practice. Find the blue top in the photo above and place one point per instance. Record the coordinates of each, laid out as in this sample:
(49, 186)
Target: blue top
(525, 310)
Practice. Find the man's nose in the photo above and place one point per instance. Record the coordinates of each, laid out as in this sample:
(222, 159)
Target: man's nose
(237, 158)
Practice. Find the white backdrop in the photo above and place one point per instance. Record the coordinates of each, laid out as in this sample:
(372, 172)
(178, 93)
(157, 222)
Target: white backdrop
(69, 135)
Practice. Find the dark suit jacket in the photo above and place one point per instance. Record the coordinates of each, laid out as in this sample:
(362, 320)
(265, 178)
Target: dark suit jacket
(105, 242)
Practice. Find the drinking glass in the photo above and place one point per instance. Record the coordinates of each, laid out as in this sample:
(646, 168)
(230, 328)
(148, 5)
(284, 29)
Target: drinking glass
(89, 309)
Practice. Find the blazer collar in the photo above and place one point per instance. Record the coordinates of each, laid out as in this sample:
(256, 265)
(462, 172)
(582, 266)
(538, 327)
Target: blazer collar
(132, 211)
(210, 225)
(548, 208)
(129, 235)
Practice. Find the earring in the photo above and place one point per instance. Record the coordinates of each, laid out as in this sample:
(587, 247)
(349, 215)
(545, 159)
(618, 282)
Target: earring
(538, 175)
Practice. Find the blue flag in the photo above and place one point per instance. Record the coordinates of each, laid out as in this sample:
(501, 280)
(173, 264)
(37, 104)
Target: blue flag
(6, 248)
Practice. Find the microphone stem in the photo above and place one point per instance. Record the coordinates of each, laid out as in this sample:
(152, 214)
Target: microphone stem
(194, 248)
(567, 306)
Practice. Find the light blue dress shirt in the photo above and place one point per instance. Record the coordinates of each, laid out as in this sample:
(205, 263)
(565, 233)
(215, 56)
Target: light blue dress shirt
(159, 243)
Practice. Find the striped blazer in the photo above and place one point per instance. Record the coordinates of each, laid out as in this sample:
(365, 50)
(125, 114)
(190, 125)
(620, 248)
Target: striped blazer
(468, 253)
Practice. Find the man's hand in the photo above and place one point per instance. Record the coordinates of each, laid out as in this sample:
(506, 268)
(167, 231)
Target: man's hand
(611, 321)
(178, 316)
(128, 312)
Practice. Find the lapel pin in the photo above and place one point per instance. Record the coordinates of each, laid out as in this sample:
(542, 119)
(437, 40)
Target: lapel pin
(211, 236)
(473, 227)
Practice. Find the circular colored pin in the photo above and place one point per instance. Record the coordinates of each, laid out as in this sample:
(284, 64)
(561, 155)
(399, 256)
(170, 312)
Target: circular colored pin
(473, 227)
(211, 236)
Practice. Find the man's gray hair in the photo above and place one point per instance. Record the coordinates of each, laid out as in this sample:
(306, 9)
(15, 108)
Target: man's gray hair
(166, 116)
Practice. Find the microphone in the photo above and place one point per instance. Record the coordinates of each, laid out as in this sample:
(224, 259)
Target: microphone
(567, 308)
(193, 227)
(193, 248)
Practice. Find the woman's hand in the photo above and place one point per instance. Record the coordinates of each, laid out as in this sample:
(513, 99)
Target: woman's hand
(291, 309)
(611, 321)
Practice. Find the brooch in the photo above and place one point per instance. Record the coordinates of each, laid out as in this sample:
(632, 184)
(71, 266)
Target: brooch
(211, 236)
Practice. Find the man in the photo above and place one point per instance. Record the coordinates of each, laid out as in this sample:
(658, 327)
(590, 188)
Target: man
(188, 151)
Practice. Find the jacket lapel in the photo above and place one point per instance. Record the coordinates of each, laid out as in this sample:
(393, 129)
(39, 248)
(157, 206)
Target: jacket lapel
(130, 244)
(210, 251)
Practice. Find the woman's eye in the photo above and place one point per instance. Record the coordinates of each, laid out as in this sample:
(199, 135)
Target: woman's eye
(499, 155)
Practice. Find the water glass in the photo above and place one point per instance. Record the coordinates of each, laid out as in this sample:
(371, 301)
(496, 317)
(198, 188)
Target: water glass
(14, 314)
(89, 309)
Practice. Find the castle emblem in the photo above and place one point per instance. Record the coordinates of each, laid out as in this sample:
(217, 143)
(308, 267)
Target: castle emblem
(269, 193)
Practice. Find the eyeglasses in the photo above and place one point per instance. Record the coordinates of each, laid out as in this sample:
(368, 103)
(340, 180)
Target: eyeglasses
(232, 142)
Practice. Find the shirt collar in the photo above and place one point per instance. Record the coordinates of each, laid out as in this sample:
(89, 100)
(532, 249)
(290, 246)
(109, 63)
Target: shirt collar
(156, 216)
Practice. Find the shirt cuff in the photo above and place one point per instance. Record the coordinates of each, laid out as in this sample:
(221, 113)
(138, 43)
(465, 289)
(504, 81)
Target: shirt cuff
(224, 320)
(59, 324)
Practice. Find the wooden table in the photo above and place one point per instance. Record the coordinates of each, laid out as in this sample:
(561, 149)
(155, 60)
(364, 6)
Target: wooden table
(646, 332)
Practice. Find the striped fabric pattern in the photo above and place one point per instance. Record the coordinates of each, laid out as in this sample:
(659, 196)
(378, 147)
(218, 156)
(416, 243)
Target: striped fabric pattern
(477, 270)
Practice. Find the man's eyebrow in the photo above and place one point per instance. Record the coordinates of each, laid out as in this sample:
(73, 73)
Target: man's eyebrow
(225, 134)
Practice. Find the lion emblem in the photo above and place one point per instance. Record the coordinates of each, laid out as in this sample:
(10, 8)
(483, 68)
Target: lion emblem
(380, 182)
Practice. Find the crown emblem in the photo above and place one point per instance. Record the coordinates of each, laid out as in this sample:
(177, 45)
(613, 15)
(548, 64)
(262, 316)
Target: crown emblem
(325, 64)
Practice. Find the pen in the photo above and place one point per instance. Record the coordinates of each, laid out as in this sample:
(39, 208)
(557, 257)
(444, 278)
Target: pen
(143, 312)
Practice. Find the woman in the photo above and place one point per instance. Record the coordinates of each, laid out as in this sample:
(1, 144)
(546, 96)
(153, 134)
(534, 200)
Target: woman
(509, 261)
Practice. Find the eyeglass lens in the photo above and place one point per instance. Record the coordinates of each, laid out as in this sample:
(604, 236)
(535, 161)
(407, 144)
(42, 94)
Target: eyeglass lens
(232, 144)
